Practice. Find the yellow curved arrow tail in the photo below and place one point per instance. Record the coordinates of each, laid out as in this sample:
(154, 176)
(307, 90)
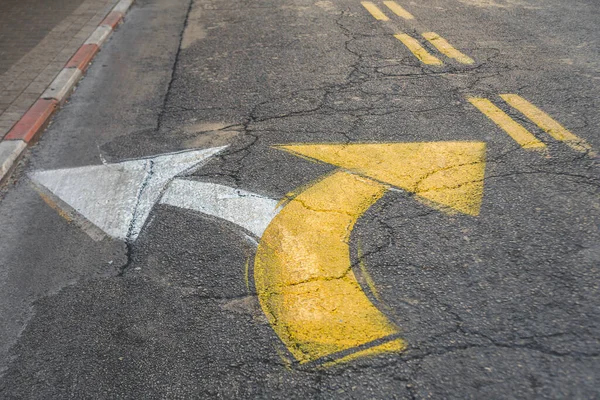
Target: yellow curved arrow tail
(305, 284)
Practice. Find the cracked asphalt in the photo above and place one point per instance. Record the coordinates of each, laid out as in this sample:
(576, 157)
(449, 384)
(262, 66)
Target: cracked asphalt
(503, 305)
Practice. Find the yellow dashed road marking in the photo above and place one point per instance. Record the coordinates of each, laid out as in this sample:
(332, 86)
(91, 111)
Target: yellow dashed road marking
(509, 125)
(375, 11)
(547, 123)
(398, 10)
(446, 48)
(415, 47)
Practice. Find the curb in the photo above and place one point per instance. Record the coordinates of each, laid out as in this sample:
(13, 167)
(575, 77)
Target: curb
(33, 122)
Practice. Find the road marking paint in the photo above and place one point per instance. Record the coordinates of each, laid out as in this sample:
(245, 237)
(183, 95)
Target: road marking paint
(248, 210)
(448, 174)
(247, 273)
(375, 11)
(419, 51)
(446, 48)
(515, 130)
(303, 272)
(52, 203)
(393, 346)
(398, 10)
(117, 198)
(547, 123)
(365, 274)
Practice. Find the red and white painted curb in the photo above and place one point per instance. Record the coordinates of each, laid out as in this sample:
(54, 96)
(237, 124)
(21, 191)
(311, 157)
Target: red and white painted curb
(33, 122)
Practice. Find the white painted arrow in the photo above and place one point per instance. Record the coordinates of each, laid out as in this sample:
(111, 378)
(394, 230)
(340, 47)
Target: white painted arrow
(117, 198)
(248, 210)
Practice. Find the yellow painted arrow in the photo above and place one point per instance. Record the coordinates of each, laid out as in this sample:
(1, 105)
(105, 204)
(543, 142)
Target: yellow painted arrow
(303, 274)
(448, 174)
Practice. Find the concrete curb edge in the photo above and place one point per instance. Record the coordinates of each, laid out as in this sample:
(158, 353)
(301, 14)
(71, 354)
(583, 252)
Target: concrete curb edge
(35, 120)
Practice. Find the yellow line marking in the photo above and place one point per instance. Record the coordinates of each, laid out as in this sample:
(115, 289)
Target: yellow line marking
(446, 48)
(398, 10)
(415, 47)
(515, 130)
(48, 200)
(547, 123)
(302, 270)
(375, 11)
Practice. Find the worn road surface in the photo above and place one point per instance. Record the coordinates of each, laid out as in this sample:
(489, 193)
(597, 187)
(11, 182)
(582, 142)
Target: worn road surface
(384, 200)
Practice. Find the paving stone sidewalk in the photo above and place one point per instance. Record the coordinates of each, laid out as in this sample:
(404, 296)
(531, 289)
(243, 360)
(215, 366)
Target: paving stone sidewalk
(37, 38)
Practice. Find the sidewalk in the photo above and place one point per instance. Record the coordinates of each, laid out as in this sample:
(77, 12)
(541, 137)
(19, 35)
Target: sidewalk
(37, 38)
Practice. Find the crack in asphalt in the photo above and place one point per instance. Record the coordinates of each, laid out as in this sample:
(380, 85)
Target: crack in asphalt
(128, 242)
(231, 164)
(172, 79)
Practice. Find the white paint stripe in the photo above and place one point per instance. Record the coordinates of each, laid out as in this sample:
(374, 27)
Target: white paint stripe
(10, 150)
(123, 6)
(248, 210)
(99, 35)
(62, 85)
(117, 198)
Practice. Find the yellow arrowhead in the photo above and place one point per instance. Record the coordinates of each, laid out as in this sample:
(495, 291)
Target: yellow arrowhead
(449, 174)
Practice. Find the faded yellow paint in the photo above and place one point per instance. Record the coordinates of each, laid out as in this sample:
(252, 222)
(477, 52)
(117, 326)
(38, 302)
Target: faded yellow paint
(393, 346)
(247, 273)
(419, 51)
(367, 277)
(446, 48)
(302, 270)
(303, 273)
(448, 174)
(547, 123)
(375, 11)
(48, 200)
(515, 130)
(398, 10)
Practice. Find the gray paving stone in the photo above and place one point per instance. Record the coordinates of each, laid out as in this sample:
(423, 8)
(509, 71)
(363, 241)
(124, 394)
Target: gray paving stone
(24, 23)
(37, 38)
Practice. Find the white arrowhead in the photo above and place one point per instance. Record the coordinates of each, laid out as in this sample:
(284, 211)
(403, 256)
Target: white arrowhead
(117, 198)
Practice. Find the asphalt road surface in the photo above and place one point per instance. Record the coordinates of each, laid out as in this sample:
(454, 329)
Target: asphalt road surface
(438, 230)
